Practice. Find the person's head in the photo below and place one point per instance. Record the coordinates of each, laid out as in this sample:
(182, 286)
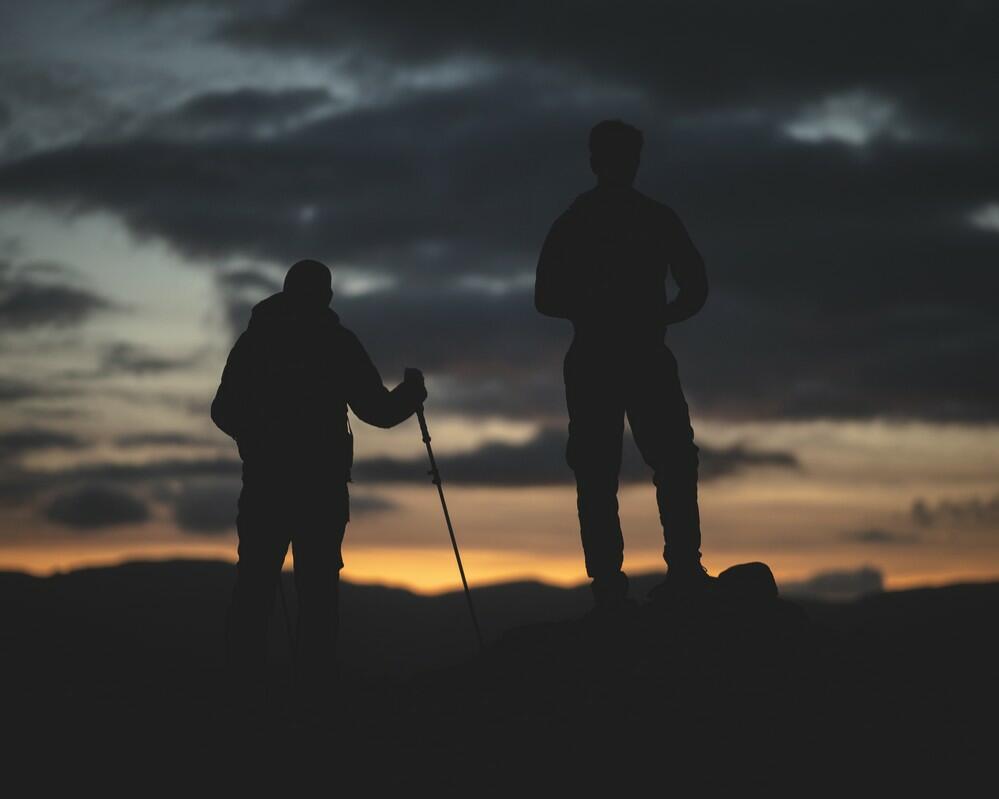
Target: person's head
(615, 152)
(309, 283)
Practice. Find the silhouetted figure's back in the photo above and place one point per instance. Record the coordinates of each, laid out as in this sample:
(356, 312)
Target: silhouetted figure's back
(283, 397)
(603, 266)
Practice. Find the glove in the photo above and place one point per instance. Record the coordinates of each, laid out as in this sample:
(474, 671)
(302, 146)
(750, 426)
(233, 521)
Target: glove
(413, 380)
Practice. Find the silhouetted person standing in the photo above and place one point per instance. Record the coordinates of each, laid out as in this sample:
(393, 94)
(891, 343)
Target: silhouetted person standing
(283, 398)
(603, 266)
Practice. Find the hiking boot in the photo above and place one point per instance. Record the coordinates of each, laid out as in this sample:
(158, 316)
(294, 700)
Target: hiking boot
(682, 583)
(610, 595)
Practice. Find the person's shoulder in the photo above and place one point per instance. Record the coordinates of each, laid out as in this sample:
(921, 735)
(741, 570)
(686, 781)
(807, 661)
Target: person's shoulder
(341, 334)
(578, 210)
(583, 200)
(653, 206)
(659, 214)
(268, 308)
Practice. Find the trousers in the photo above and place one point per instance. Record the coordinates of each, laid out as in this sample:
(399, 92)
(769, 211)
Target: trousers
(604, 382)
(274, 512)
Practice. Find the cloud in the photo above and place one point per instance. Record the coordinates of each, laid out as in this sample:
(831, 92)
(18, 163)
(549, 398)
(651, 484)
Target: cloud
(241, 289)
(986, 217)
(52, 100)
(27, 306)
(457, 331)
(837, 586)
(160, 439)
(425, 183)
(541, 461)
(828, 299)
(96, 506)
(27, 302)
(23, 484)
(834, 45)
(250, 279)
(209, 506)
(245, 111)
(163, 469)
(14, 443)
(364, 504)
(14, 389)
(856, 119)
(131, 359)
(878, 536)
(971, 512)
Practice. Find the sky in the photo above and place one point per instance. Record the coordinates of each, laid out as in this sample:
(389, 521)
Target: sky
(163, 162)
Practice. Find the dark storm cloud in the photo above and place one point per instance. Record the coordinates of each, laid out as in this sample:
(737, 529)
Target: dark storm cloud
(208, 507)
(423, 187)
(875, 535)
(541, 461)
(740, 359)
(846, 282)
(240, 290)
(250, 280)
(690, 54)
(126, 358)
(165, 469)
(14, 390)
(905, 361)
(971, 512)
(246, 111)
(364, 504)
(28, 302)
(5, 115)
(21, 485)
(453, 331)
(199, 489)
(160, 439)
(438, 185)
(14, 443)
(29, 306)
(96, 506)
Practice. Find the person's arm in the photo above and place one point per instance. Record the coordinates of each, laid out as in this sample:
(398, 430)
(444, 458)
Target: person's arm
(687, 266)
(231, 400)
(368, 397)
(557, 291)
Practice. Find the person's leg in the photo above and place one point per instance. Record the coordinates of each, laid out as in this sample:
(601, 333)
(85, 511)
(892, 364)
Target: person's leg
(593, 452)
(660, 423)
(263, 542)
(317, 549)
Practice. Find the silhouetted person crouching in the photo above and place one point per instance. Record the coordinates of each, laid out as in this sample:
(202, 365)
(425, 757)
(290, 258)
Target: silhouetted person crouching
(283, 398)
(603, 266)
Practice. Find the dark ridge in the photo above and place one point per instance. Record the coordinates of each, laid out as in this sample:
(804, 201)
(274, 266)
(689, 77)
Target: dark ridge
(124, 662)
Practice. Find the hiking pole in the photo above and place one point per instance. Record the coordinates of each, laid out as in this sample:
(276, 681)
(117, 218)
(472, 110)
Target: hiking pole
(435, 478)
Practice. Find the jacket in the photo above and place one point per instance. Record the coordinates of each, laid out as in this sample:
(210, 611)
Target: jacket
(288, 382)
(605, 261)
